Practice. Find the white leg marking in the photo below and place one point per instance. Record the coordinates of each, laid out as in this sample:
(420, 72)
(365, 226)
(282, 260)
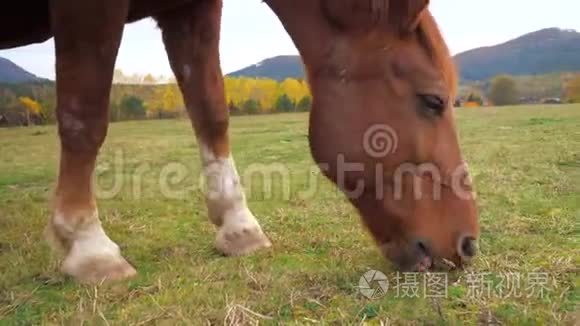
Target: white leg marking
(239, 233)
(93, 256)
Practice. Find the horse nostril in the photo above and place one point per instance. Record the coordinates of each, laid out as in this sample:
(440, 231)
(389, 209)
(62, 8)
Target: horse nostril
(423, 247)
(467, 247)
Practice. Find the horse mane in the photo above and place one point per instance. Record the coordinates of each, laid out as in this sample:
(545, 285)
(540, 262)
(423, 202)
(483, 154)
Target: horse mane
(430, 37)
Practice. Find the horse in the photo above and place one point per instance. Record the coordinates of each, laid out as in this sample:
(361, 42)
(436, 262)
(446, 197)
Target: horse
(373, 66)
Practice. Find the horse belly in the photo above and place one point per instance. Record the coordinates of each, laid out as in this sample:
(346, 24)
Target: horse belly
(28, 21)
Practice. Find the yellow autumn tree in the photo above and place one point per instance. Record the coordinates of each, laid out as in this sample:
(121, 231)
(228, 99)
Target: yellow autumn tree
(32, 107)
(149, 79)
(294, 89)
(232, 90)
(166, 101)
(172, 99)
(263, 91)
(573, 90)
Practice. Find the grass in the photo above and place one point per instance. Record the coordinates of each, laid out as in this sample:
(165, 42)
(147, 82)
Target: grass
(525, 162)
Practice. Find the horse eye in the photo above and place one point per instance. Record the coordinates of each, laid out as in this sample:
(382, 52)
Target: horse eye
(433, 103)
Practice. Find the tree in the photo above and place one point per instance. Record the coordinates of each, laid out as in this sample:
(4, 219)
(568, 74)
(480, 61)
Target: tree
(475, 98)
(251, 106)
(166, 102)
(503, 91)
(284, 104)
(234, 110)
(295, 89)
(573, 90)
(132, 107)
(305, 104)
(32, 107)
(119, 77)
(117, 94)
(149, 79)
(7, 97)
(46, 97)
(134, 79)
(264, 91)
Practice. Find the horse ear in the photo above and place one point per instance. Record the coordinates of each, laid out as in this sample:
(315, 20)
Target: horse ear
(406, 14)
(402, 15)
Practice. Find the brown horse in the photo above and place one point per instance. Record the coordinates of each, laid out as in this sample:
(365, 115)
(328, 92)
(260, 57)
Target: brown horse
(373, 65)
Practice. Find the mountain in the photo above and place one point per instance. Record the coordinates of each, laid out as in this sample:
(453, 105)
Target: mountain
(12, 73)
(278, 68)
(545, 51)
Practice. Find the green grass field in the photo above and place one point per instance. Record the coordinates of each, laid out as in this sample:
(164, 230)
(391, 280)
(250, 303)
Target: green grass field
(525, 162)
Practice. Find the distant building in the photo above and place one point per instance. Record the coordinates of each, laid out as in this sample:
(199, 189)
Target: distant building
(553, 100)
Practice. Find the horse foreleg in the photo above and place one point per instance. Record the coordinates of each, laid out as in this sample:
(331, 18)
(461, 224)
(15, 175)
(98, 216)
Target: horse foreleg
(191, 37)
(87, 36)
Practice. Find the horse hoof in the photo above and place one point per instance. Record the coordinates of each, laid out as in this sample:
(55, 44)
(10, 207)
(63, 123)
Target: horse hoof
(240, 240)
(98, 270)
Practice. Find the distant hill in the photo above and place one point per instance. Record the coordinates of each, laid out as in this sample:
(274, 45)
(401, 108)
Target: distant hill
(12, 73)
(546, 51)
(278, 68)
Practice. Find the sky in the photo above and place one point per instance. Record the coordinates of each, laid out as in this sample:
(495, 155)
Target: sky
(251, 33)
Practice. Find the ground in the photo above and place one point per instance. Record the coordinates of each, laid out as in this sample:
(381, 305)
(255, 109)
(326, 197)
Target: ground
(525, 162)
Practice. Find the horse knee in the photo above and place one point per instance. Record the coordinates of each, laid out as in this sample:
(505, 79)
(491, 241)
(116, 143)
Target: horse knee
(81, 132)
